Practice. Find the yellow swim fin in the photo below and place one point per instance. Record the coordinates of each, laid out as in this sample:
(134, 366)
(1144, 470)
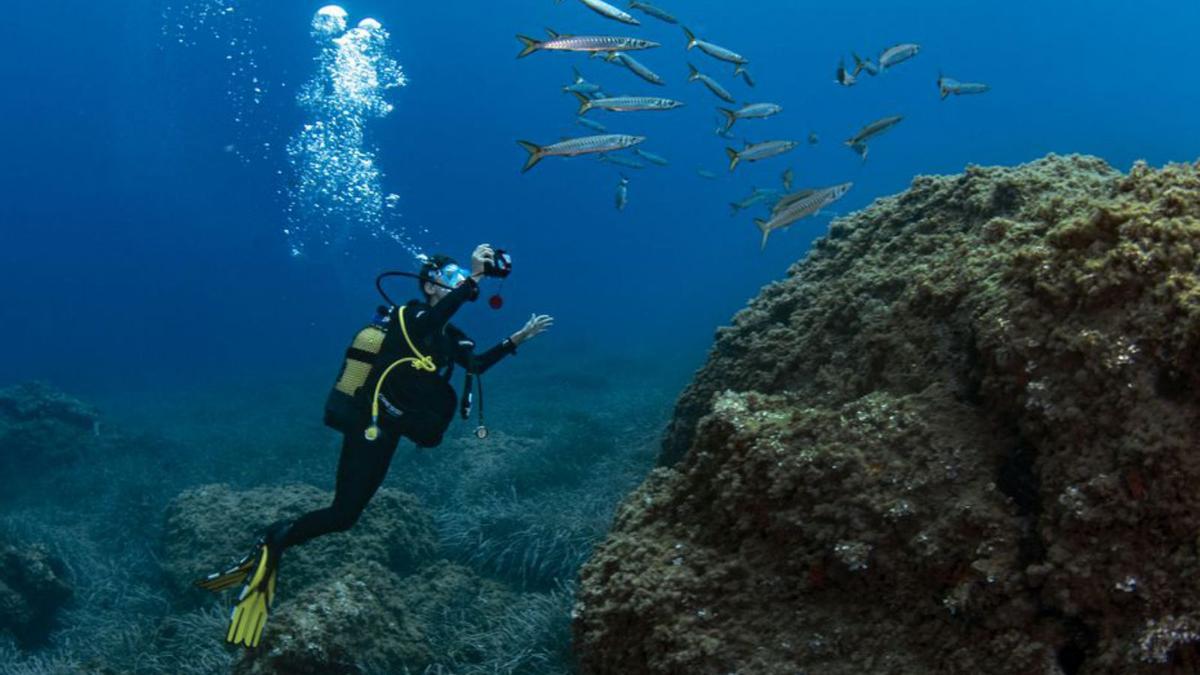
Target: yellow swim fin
(219, 581)
(249, 615)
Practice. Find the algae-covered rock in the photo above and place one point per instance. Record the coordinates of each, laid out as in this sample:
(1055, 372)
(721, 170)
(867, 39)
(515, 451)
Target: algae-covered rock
(211, 526)
(33, 588)
(40, 426)
(959, 437)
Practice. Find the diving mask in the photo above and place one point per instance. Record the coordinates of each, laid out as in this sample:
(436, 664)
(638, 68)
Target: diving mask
(451, 276)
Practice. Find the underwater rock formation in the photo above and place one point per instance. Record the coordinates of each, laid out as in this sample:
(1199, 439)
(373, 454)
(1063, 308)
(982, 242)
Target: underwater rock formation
(42, 426)
(211, 526)
(33, 588)
(959, 437)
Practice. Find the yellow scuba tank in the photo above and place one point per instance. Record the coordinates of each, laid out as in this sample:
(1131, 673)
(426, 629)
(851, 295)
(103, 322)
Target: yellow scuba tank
(344, 406)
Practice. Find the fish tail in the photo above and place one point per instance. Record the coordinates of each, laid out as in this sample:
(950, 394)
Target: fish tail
(530, 45)
(578, 75)
(734, 158)
(730, 117)
(766, 232)
(690, 37)
(585, 103)
(733, 209)
(692, 73)
(858, 64)
(536, 153)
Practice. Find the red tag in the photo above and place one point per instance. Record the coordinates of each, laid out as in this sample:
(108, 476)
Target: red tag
(495, 302)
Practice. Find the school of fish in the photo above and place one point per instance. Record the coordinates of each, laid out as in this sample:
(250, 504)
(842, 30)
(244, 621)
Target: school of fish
(785, 206)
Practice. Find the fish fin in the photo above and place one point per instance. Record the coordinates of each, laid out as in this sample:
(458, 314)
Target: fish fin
(611, 56)
(692, 73)
(578, 75)
(690, 37)
(766, 232)
(536, 153)
(734, 158)
(531, 45)
(552, 33)
(585, 103)
(738, 69)
(858, 64)
(730, 117)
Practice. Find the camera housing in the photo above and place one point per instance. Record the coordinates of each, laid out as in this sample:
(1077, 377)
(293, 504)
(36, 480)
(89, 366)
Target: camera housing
(500, 266)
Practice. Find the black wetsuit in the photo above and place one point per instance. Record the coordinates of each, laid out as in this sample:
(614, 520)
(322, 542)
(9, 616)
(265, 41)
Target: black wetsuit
(364, 464)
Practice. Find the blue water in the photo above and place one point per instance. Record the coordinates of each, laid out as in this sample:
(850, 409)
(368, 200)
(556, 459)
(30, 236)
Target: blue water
(141, 229)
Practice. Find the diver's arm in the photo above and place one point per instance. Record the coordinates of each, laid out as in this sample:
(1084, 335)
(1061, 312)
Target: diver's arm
(433, 318)
(478, 364)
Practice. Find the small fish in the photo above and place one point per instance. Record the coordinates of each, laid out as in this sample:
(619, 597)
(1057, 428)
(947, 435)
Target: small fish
(580, 85)
(583, 145)
(746, 78)
(712, 85)
(622, 193)
(609, 12)
(872, 130)
(897, 54)
(592, 124)
(626, 103)
(637, 68)
(799, 205)
(787, 179)
(715, 51)
(722, 131)
(757, 196)
(705, 173)
(843, 76)
(947, 86)
(651, 157)
(758, 151)
(653, 11)
(861, 64)
(582, 43)
(750, 111)
(621, 160)
(813, 138)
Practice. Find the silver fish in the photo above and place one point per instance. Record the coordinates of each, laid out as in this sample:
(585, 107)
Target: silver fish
(800, 204)
(873, 129)
(861, 64)
(592, 124)
(638, 68)
(715, 51)
(746, 77)
(609, 12)
(705, 173)
(712, 85)
(651, 157)
(750, 111)
(898, 54)
(948, 85)
(787, 177)
(843, 76)
(653, 11)
(757, 196)
(580, 85)
(577, 146)
(582, 43)
(622, 193)
(758, 151)
(626, 103)
(620, 160)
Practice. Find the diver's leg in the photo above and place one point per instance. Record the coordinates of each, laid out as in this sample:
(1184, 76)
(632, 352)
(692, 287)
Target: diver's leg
(361, 469)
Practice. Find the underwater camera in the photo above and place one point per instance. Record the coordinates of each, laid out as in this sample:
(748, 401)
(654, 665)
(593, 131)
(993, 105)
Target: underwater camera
(500, 266)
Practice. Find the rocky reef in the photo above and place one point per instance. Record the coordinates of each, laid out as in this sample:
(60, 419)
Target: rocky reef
(959, 437)
(40, 426)
(34, 586)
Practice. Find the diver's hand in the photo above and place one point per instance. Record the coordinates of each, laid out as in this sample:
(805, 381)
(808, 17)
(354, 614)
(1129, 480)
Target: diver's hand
(483, 254)
(536, 324)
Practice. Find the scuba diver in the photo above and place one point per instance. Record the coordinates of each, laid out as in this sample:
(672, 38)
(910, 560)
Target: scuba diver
(394, 384)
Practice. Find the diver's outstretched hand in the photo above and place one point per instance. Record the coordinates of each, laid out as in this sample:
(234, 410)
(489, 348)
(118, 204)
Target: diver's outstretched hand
(535, 326)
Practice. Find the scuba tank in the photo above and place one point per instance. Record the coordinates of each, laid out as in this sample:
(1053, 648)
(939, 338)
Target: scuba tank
(343, 406)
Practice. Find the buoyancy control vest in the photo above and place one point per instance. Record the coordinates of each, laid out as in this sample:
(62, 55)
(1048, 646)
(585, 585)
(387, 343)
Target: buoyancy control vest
(419, 404)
